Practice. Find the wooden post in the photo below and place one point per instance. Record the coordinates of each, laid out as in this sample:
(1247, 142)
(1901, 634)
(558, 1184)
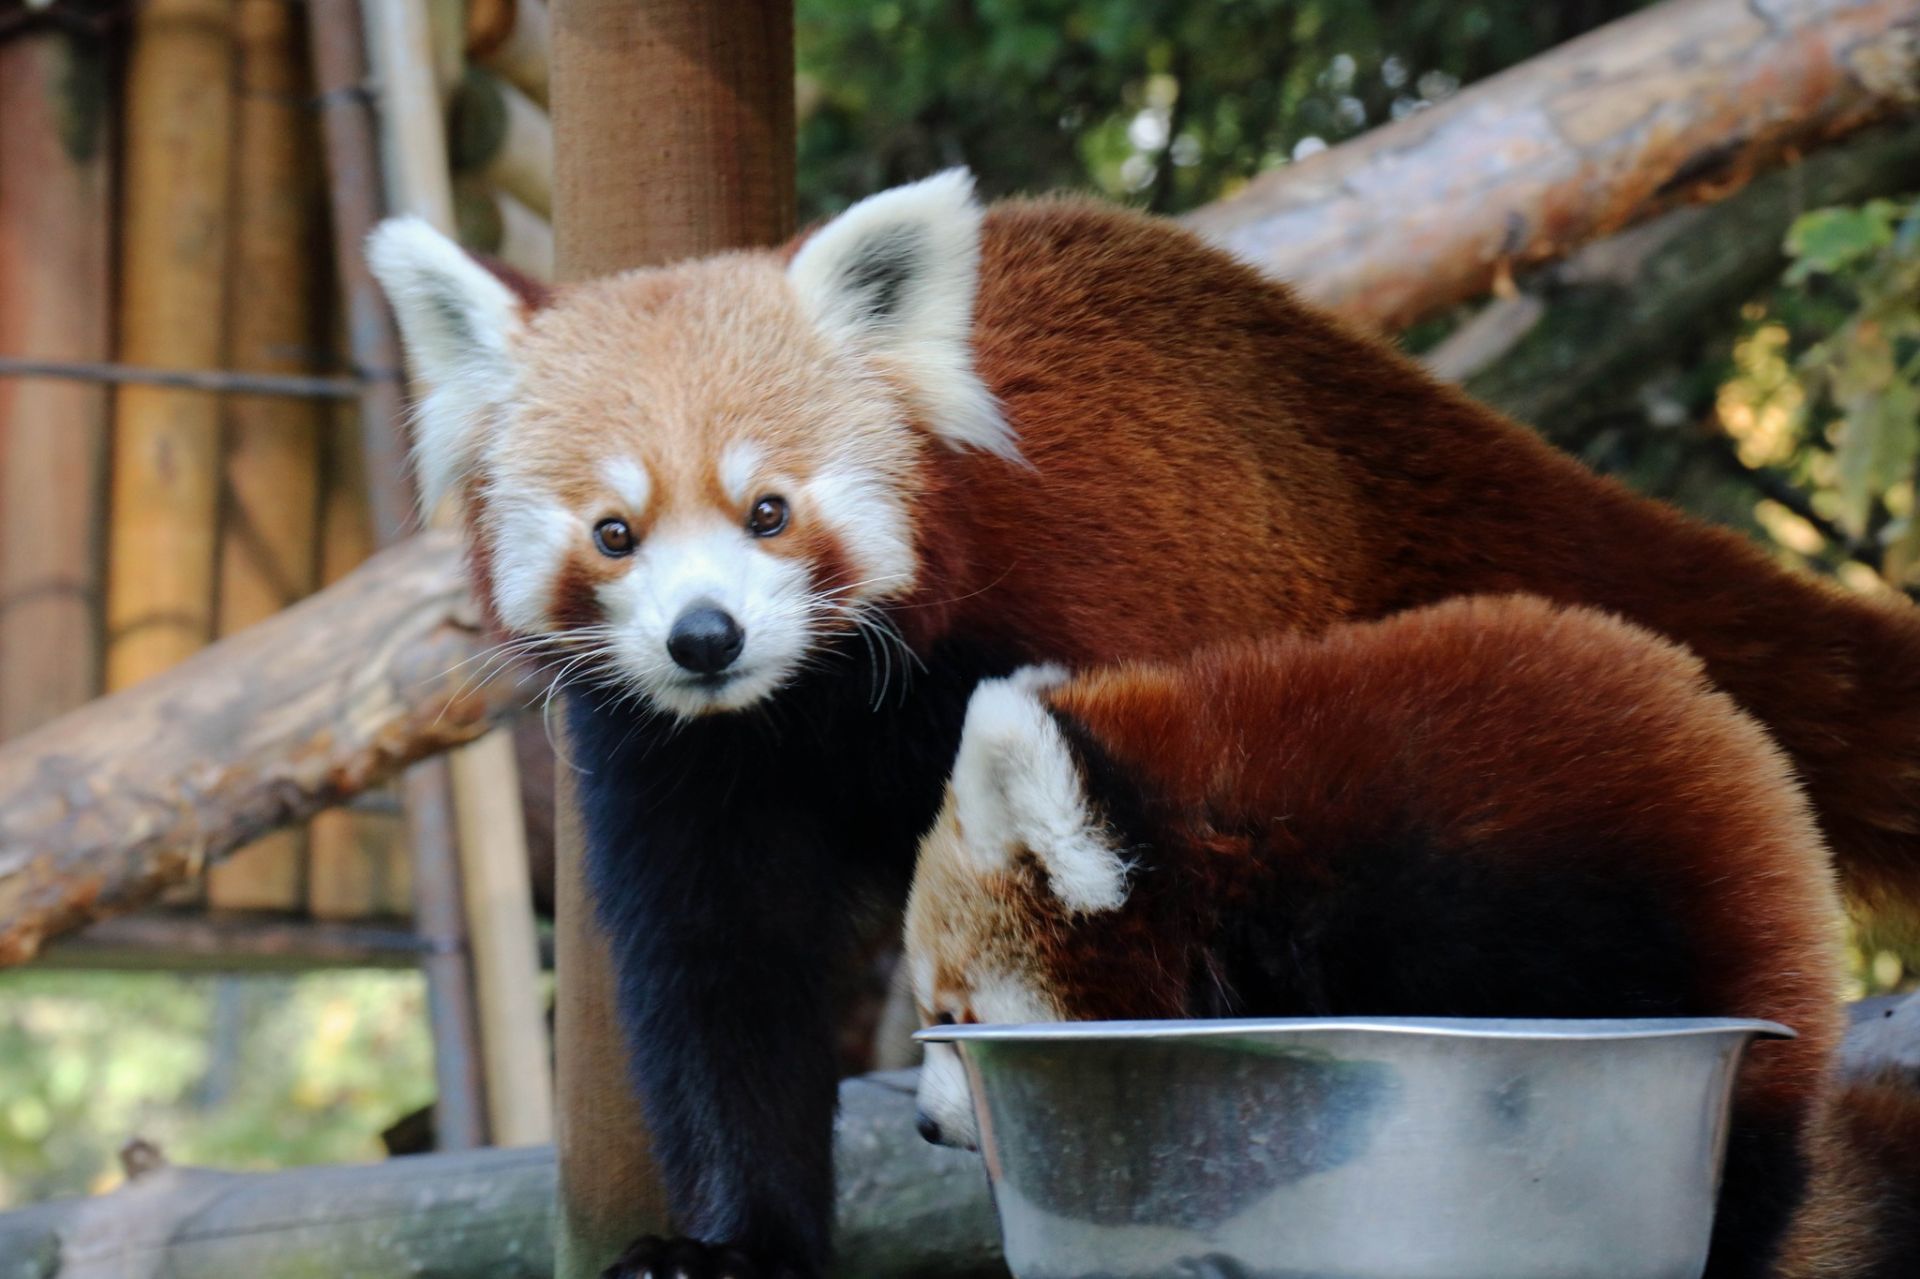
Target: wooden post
(487, 857)
(366, 500)
(355, 182)
(270, 525)
(166, 447)
(56, 112)
(673, 123)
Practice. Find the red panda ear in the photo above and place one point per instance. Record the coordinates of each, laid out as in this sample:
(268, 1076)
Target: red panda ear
(459, 322)
(894, 278)
(1017, 787)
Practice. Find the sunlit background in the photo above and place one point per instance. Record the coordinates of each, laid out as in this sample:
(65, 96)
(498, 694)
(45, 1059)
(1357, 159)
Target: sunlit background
(1785, 407)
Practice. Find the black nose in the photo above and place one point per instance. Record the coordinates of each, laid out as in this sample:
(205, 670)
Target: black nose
(928, 1126)
(705, 640)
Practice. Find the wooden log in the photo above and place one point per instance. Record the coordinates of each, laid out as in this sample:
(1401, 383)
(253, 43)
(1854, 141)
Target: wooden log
(1884, 1034)
(1682, 101)
(56, 140)
(494, 223)
(1580, 337)
(675, 127)
(162, 546)
(904, 1208)
(501, 136)
(514, 40)
(106, 806)
(269, 552)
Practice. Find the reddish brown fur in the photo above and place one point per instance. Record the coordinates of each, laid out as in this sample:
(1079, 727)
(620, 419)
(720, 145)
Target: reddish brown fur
(1510, 727)
(1862, 1219)
(1210, 457)
(1514, 730)
(1257, 466)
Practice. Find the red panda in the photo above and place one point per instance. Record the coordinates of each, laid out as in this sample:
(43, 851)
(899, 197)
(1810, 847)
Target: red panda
(1491, 807)
(771, 515)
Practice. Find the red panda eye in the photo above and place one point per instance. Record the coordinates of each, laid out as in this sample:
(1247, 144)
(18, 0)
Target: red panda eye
(613, 537)
(768, 516)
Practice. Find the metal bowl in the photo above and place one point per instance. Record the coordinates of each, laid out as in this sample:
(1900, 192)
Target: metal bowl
(1356, 1148)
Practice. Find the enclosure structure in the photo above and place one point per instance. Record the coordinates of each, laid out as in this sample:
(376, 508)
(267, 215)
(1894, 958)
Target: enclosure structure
(671, 134)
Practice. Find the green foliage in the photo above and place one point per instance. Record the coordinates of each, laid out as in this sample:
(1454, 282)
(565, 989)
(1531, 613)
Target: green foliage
(231, 1072)
(1166, 102)
(1860, 378)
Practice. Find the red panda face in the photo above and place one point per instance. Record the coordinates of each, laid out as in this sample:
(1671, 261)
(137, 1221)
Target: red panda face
(1013, 865)
(687, 482)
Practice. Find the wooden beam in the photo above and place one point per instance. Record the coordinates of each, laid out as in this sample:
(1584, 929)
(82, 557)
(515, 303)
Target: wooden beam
(56, 145)
(199, 942)
(166, 447)
(905, 1208)
(270, 523)
(463, 812)
(1682, 101)
(108, 805)
(673, 122)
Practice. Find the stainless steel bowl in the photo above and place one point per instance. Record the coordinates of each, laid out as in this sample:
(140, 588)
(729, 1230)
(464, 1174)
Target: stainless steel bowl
(1356, 1148)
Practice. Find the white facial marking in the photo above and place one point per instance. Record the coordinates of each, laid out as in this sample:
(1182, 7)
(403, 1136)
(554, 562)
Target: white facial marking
(894, 277)
(739, 467)
(944, 1095)
(531, 537)
(628, 481)
(711, 561)
(872, 525)
(1015, 785)
(945, 1098)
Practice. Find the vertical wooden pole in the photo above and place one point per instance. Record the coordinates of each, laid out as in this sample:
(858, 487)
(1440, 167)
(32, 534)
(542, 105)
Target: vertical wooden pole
(166, 445)
(269, 530)
(488, 858)
(367, 501)
(56, 114)
(673, 126)
(356, 191)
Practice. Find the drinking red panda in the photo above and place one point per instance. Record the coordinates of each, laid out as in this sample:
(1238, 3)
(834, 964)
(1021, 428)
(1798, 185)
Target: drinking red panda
(1491, 807)
(773, 514)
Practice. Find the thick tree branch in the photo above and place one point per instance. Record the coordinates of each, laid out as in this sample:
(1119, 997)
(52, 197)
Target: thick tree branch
(102, 809)
(1683, 101)
(1580, 337)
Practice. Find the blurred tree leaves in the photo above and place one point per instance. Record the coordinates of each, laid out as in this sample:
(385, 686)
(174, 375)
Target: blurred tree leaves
(1859, 378)
(306, 1070)
(1169, 103)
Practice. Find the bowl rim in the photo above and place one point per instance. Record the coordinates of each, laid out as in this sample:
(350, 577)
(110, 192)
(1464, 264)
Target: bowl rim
(1529, 1029)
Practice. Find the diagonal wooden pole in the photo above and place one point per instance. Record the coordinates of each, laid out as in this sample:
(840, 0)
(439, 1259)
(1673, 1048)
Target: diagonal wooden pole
(673, 127)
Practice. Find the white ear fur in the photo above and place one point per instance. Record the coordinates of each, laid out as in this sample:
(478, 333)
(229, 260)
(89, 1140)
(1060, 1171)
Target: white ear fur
(1015, 786)
(458, 323)
(895, 276)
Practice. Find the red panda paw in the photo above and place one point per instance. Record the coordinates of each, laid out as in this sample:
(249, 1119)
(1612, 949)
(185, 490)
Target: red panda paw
(656, 1257)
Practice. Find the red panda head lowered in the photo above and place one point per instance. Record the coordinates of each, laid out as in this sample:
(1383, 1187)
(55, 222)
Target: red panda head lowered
(689, 478)
(1015, 863)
